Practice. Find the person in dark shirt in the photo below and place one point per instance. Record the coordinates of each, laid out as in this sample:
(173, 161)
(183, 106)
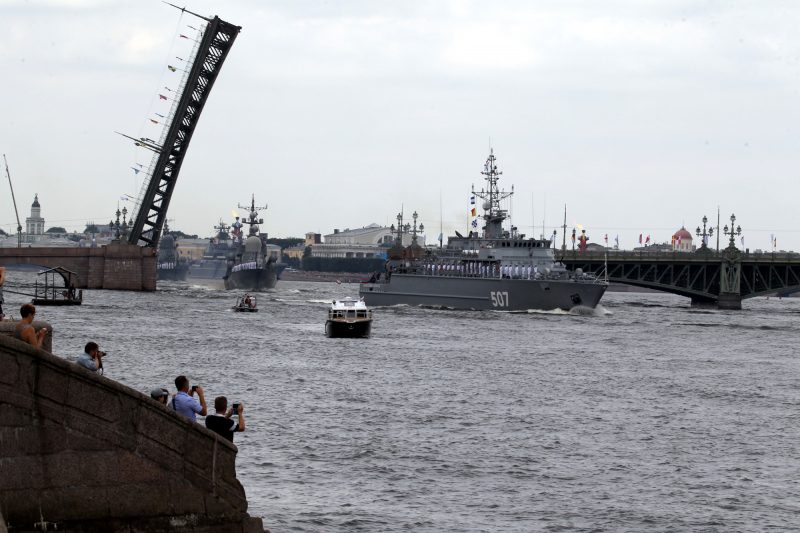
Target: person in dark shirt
(222, 422)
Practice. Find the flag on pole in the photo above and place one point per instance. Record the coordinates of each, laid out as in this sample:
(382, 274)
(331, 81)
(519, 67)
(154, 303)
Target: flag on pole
(616, 240)
(742, 240)
(475, 223)
(472, 200)
(647, 240)
(441, 237)
(573, 235)
(474, 212)
(640, 238)
(606, 238)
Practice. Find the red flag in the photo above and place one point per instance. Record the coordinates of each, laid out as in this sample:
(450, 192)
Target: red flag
(162, 96)
(606, 238)
(647, 240)
(640, 238)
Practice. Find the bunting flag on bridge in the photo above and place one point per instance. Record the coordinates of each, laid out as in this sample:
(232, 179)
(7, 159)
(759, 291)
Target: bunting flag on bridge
(154, 121)
(160, 115)
(162, 96)
(171, 68)
(136, 170)
(183, 36)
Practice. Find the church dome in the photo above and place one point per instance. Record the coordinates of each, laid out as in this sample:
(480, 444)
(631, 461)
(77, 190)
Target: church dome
(35, 201)
(682, 234)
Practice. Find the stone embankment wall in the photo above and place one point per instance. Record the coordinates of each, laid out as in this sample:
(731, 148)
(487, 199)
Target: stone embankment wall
(80, 452)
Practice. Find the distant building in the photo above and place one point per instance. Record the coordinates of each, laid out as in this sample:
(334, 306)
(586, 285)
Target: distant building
(34, 224)
(682, 241)
(367, 242)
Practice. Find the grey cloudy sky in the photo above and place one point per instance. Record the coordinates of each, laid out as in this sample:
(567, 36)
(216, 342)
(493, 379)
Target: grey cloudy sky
(640, 116)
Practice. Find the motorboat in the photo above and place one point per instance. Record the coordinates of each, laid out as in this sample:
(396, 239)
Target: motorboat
(349, 317)
(246, 304)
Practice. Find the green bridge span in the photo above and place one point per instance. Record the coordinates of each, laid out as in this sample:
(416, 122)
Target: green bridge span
(722, 279)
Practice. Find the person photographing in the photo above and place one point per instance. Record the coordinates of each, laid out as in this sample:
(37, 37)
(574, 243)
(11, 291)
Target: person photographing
(184, 402)
(91, 358)
(225, 422)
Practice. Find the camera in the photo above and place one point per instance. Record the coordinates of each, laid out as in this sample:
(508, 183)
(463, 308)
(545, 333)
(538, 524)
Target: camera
(236, 408)
(194, 388)
(101, 353)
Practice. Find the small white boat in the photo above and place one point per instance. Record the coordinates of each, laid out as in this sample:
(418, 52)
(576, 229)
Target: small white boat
(349, 318)
(246, 304)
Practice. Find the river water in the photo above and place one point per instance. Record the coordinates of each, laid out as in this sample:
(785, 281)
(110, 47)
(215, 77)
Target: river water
(645, 415)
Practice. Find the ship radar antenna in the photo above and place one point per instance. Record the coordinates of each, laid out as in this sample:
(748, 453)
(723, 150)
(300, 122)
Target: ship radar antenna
(492, 195)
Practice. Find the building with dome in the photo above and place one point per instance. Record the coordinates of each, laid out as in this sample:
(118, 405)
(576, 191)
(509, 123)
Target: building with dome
(682, 241)
(34, 224)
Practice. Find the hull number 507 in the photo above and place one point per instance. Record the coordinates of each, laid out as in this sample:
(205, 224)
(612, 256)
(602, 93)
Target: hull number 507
(499, 298)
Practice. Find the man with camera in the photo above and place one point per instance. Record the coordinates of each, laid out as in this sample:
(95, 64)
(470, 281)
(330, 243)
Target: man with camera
(221, 422)
(185, 403)
(92, 357)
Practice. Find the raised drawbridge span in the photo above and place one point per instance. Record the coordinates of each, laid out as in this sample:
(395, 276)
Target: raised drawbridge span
(721, 279)
(129, 262)
(212, 49)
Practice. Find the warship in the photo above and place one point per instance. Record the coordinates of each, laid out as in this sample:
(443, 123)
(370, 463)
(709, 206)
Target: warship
(251, 267)
(492, 269)
(214, 262)
(170, 266)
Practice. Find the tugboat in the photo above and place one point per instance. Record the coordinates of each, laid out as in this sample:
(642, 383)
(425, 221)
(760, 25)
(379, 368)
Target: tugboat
(170, 266)
(497, 269)
(349, 318)
(251, 268)
(246, 304)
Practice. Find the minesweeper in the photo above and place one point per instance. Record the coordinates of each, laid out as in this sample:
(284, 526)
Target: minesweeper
(494, 269)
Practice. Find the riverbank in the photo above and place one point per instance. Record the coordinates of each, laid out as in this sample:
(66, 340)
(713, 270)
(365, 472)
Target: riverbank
(341, 277)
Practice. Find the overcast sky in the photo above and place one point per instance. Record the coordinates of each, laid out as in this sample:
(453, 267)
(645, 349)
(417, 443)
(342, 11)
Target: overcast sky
(640, 116)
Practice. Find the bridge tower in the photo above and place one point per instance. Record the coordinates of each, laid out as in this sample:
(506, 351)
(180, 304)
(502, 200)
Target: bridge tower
(212, 49)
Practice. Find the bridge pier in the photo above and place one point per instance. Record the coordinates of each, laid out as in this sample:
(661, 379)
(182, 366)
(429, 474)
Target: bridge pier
(729, 301)
(117, 266)
(704, 303)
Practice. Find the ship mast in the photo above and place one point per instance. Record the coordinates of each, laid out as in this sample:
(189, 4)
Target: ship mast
(493, 215)
(253, 219)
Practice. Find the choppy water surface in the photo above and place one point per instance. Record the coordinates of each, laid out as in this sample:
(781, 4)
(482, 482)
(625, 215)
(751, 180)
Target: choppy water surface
(647, 415)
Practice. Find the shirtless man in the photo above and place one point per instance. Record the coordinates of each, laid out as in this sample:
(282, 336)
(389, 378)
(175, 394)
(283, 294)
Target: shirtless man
(24, 331)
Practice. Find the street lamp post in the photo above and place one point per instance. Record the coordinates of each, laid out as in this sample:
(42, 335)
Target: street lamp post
(705, 234)
(732, 233)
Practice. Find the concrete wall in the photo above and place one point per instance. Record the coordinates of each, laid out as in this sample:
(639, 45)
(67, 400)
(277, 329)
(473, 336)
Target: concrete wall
(120, 266)
(84, 453)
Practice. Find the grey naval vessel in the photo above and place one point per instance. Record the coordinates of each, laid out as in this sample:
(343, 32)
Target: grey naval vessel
(214, 262)
(170, 265)
(251, 268)
(495, 269)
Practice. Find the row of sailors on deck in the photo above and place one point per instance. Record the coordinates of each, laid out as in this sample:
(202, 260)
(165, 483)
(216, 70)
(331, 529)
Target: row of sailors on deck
(166, 266)
(252, 265)
(481, 270)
